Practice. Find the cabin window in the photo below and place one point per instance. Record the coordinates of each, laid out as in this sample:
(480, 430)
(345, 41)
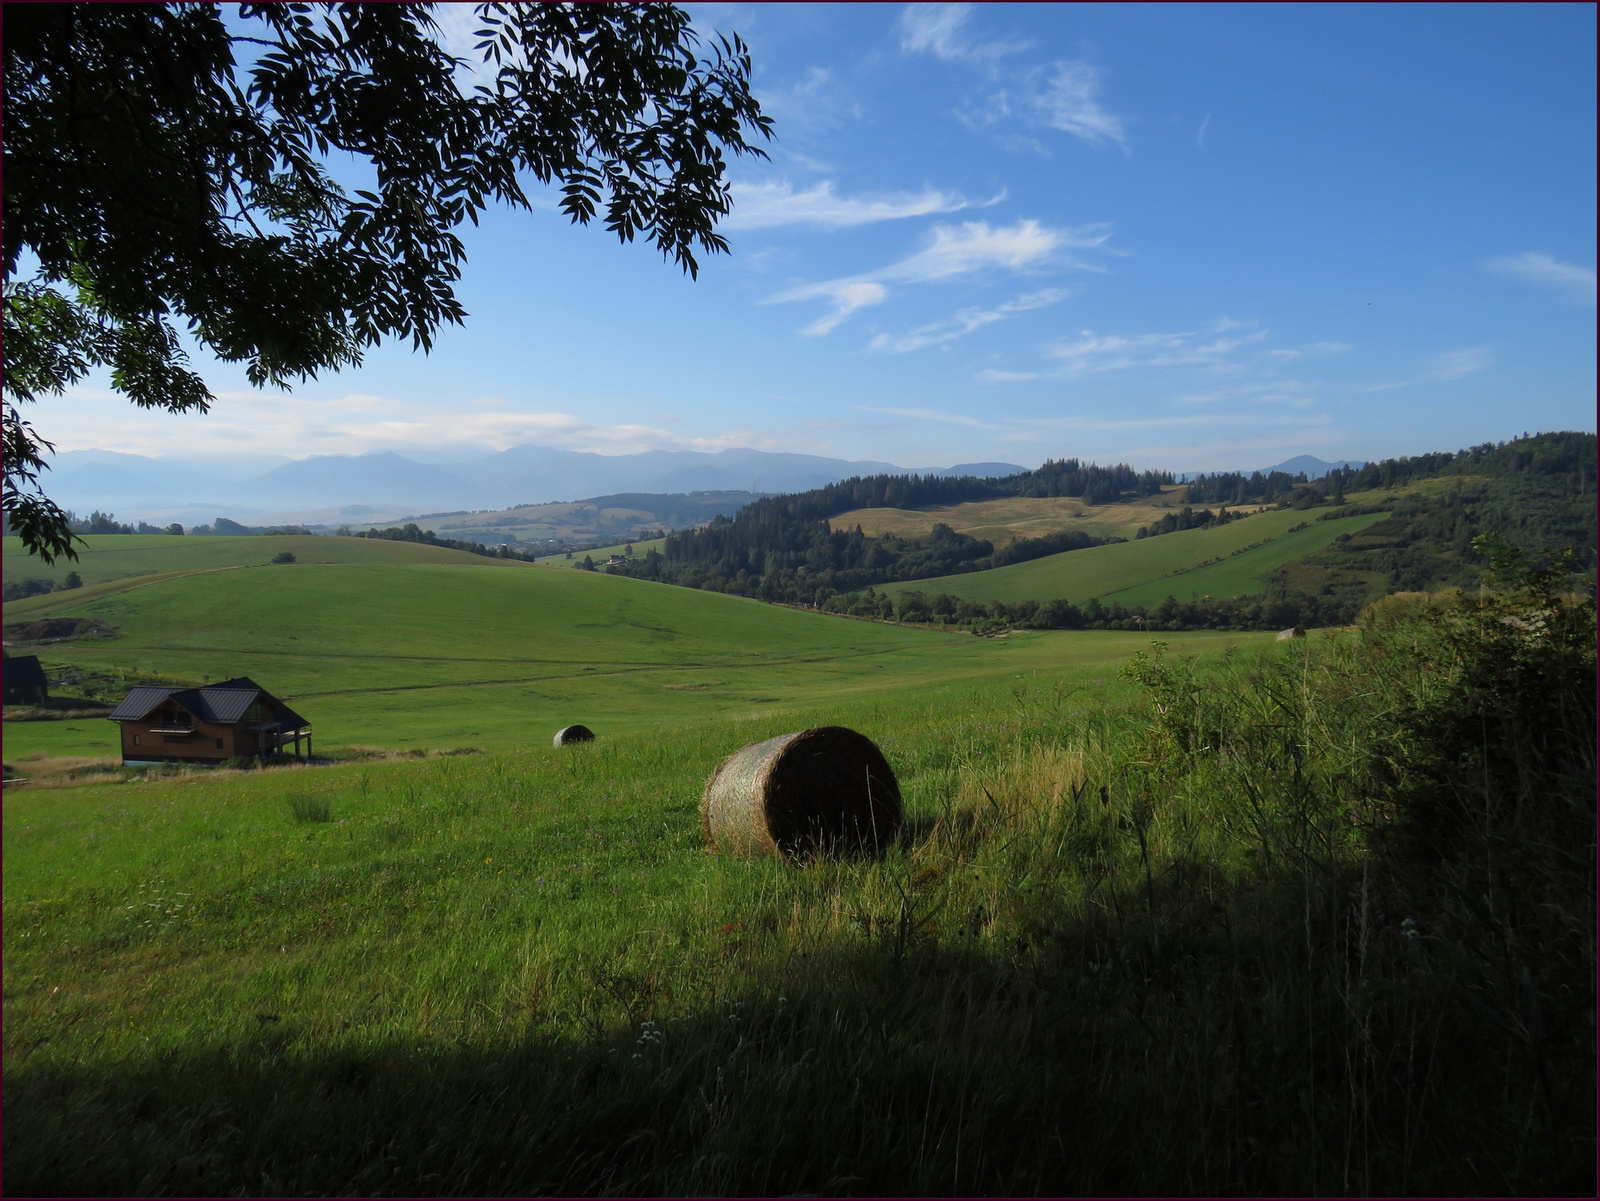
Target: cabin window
(135, 740)
(219, 744)
(256, 712)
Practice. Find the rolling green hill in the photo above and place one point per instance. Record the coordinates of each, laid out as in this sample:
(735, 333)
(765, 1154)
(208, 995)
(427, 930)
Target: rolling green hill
(1229, 560)
(403, 654)
(122, 556)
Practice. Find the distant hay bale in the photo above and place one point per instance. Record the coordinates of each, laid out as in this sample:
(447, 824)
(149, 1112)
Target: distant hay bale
(1289, 635)
(826, 789)
(567, 735)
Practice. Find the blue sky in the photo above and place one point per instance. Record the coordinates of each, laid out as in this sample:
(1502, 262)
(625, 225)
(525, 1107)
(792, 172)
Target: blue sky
(1186, 237)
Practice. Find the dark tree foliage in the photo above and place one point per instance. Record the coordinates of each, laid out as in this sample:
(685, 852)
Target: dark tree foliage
(152, 183)
(1187, 519)
(96, 523)
(1236, 488)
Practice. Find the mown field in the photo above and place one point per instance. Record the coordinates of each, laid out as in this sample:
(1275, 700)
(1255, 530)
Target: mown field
(107, 557)
(1228, 560)
(1004, 520)
(491, 654)
(1153, 931)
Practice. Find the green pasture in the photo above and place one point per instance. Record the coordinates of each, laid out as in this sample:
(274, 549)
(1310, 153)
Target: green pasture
(109, 557)
(1227, 560)
(482, 654)
(1129, 943)
(1243, 572)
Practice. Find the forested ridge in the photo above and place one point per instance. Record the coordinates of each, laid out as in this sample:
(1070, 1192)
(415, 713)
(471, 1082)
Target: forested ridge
(782, 548)
(1535, 492)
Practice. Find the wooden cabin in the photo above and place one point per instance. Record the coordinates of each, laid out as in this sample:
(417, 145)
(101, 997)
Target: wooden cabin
(23, 680)
(208, 725)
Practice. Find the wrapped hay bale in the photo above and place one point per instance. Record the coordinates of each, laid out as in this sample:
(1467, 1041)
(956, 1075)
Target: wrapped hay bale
(826, 789)
(567, 735)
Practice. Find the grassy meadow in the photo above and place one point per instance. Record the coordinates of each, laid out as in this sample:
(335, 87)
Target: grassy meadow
(1227, 560)
(108, 558)
(494, 654)
(1216, 915)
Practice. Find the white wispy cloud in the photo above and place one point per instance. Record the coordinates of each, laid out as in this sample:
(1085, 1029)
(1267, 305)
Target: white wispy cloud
(935, 415)
(1456, 364)
(769, 205)
(1293, 393)
(1192, 421)
(953, 250)
(1576, 283)
(847, 295)
(1289, 354)
(1064, 95)
(939, 29)
(966, 321)
(1091, 352)
(806, 107)
(1070, 101)
(1442, 368)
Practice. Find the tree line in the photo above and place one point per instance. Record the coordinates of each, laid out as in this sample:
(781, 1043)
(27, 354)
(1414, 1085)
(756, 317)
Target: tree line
(1536, 491)
(784, 549)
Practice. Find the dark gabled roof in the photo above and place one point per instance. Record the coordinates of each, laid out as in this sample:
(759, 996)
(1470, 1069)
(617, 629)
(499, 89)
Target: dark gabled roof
(138, 702)
(223, 704)
(22, 671)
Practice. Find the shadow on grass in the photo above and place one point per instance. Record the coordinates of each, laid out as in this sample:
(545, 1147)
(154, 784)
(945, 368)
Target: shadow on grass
(1076, 1060)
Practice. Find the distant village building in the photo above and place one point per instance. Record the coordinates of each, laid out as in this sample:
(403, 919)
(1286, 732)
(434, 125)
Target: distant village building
(23, 680)
(208, 725)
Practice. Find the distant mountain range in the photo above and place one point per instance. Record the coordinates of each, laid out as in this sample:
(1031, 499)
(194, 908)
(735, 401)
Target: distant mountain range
(1313, 467)
(384, 486)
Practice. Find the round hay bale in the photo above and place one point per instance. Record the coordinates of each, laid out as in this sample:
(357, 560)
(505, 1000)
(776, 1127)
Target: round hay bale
(567, 735)
(826, 789)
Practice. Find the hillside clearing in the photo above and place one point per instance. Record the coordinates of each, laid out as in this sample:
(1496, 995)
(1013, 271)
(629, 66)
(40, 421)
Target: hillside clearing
(1004, 520)
(1161, 564)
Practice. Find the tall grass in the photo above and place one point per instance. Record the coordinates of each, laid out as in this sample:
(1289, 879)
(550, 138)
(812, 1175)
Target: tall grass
(1313, 921)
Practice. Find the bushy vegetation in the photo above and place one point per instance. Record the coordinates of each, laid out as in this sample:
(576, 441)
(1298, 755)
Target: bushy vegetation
(1318, 919)
(411, 532)
(1187, 519)
(1220, 613)
(226, 527)
(32, 586)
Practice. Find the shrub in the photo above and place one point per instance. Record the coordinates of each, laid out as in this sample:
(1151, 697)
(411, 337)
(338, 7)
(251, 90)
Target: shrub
(283, 556)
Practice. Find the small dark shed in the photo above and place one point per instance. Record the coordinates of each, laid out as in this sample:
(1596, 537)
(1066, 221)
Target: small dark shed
(24, 680)
(208, 725)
